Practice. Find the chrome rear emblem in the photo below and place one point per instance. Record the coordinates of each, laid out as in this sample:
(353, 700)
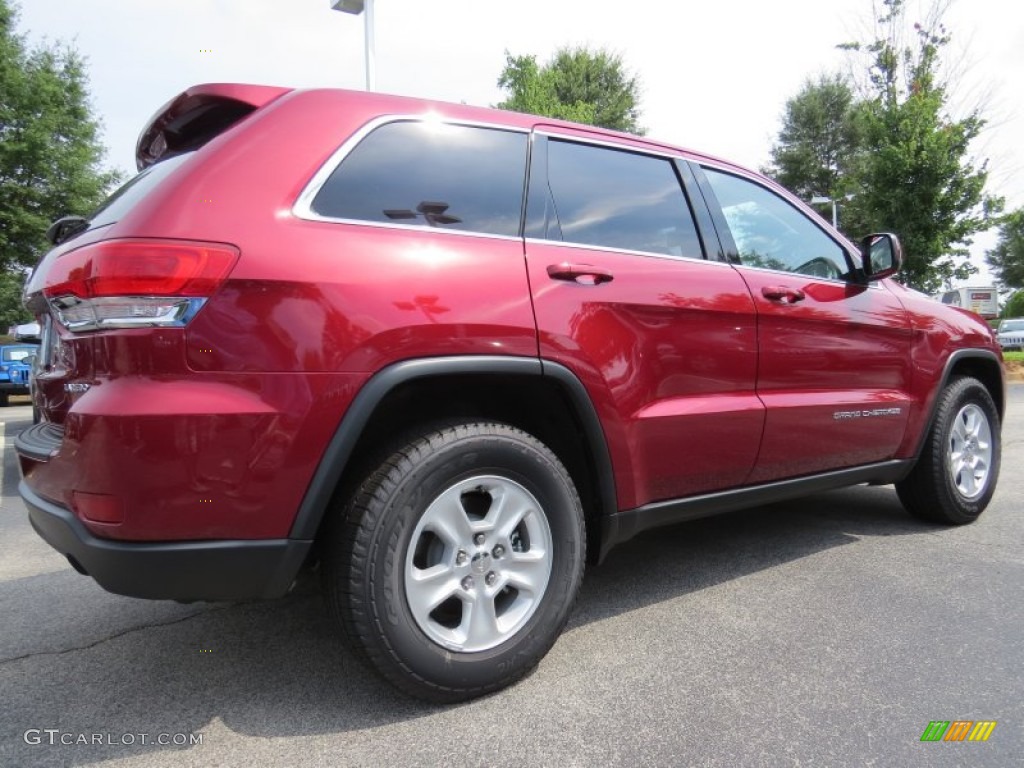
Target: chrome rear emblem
(77, 386)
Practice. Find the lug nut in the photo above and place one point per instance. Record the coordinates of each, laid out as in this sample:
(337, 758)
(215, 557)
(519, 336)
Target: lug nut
(498, 551)
(490, 578)
(461, 557)
(479, 539)
(467, 583)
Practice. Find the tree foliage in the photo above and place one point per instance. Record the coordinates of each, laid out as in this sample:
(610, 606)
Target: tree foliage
(12, 311)
(1014, 306)
(577, 84)
(1007, 258)
(819, 141)
(50, 152)
(906, 160)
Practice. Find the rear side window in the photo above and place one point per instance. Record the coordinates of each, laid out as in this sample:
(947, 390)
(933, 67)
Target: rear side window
(132, 191)
(431, 175)
(622, 200)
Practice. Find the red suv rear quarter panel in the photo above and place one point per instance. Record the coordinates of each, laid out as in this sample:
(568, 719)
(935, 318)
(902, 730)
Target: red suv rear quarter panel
(239, 408)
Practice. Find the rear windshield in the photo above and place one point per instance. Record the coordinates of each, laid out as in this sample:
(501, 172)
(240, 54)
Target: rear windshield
(14, 354)
(132, 191)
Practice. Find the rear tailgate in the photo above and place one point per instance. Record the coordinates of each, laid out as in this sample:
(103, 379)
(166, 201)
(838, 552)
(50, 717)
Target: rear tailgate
(69, 360)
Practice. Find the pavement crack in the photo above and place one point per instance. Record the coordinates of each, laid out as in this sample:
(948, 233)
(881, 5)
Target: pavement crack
(116, 635)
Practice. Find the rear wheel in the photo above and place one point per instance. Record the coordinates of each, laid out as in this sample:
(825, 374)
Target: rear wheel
(955, 477)
(455, 565)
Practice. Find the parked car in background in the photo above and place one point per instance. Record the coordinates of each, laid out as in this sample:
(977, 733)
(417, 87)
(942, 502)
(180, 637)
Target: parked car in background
(15, 369)
(453, 354)
(1010, 333)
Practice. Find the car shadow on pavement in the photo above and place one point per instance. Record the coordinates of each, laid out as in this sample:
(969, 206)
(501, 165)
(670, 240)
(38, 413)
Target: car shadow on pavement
(277, 669)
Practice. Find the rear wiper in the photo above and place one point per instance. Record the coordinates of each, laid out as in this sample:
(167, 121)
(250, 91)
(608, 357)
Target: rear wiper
(65, 228)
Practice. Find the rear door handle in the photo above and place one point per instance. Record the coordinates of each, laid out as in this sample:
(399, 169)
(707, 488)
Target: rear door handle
(584, 274)
(782, 294)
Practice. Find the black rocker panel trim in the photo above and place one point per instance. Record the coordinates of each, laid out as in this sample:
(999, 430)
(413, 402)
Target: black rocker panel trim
(625, 525)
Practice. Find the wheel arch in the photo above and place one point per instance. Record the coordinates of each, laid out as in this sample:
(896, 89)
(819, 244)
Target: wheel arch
(981, 364)
(544, 398)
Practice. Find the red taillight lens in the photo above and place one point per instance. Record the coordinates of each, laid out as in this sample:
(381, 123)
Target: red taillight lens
(141, 268)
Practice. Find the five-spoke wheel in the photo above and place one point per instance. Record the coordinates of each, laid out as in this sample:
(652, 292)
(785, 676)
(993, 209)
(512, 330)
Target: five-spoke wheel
(955, 475)
(455, 564)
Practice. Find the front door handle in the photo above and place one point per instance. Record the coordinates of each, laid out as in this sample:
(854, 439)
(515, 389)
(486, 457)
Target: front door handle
(782, 294)
(584, 274)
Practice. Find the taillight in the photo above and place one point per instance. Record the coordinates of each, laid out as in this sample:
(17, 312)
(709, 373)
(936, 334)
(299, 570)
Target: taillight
(135, 283)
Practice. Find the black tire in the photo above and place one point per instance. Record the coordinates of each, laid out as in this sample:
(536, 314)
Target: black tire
(4, 400)
(367, 560)
(933, 490)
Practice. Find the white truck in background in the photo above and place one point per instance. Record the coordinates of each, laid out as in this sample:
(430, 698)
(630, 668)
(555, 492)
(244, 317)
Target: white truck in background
(982, 300)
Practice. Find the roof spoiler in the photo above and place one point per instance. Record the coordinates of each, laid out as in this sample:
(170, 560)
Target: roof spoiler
(197, 115)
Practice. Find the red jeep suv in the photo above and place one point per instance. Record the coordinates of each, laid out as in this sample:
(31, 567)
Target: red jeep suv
(448, 355)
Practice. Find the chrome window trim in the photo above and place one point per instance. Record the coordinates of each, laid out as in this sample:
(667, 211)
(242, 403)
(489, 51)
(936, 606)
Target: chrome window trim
(627, 251)
(662, 153)
(814, 278)
(636, 151)
(303, 206)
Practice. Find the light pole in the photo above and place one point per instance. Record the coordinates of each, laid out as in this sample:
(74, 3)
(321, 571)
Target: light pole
(816, 200)
(356, 7)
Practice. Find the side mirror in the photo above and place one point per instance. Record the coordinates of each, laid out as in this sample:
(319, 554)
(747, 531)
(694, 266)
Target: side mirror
(30, 361)
(882, 255)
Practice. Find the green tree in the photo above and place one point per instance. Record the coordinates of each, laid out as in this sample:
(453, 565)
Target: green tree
(12, 311)
(1014, 306)
(50, 152)
(917, 177)
(820, 141)
(577, 84)
(1007, 258)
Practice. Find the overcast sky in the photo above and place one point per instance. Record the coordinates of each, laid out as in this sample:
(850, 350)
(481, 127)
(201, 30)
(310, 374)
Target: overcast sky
(715, 75)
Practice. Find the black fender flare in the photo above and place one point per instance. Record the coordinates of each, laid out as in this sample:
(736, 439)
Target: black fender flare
(947, 373)
(339, 450)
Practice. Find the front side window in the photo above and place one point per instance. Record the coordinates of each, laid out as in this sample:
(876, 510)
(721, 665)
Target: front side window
(431, 175)
(772, 234)
(618, 199)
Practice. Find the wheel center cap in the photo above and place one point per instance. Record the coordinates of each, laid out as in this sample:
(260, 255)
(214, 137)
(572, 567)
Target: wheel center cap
(481, 562)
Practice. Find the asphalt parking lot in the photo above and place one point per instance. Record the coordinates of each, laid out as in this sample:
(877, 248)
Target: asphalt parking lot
(825, 632)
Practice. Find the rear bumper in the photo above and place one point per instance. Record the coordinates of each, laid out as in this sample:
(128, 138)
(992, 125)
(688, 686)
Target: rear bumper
(190, 570)
(13, 388)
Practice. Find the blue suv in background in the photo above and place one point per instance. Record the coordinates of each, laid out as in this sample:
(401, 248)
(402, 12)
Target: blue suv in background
(14, 370)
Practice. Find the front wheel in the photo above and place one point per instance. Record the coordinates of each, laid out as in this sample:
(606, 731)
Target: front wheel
(455, 565)
(955, 476)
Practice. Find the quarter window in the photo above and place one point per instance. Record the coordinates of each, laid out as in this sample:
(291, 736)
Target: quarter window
(431, 175)
(618, 199)
(772, 234)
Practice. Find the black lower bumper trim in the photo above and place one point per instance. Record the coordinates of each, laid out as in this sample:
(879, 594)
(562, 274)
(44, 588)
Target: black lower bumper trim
(183, 570)
(40, 441)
